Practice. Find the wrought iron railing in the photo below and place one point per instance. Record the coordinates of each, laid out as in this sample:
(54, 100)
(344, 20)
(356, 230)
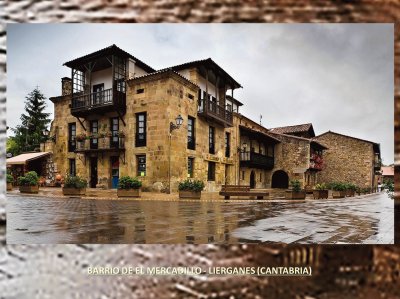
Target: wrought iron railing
(102, 143)
(81, 101)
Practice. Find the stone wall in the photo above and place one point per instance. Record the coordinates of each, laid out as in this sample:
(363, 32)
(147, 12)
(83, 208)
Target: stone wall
(292, 155)
(347, 159)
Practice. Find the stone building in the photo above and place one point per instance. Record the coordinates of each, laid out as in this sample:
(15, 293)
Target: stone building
(350, 159)
(117, 116)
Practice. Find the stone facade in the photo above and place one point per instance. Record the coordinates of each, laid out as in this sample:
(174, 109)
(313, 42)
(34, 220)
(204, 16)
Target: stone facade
(349, 159)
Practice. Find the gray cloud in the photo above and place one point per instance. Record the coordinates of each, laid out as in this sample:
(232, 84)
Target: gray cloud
(337, 76)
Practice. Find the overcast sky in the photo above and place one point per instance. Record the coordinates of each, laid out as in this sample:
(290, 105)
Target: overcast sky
(339, 77)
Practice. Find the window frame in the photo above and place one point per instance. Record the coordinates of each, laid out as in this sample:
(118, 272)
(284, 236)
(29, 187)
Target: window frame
(140, 142)
(71, 137)
(191, 129)
(211, 140)
(211, 171)
(139, 163)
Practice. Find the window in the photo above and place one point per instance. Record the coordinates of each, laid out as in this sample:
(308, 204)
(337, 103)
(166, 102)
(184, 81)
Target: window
(94, 129)
(211, 140)
(71, 137)
(98, 94)
(140, 90)
(72, 167)
(190, 167)
(211, 171)
(141, 165)
(140, 139)
(191, 138)
(270, 151)
(190, 96)
(114, 126)
(227, 144)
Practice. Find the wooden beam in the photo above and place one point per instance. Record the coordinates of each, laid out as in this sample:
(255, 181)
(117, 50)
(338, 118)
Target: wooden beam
(83, 126)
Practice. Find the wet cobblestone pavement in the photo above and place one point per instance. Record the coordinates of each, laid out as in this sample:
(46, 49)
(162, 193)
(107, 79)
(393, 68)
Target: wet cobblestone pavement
(38, 220)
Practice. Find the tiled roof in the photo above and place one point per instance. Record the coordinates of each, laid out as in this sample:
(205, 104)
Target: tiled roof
(161, 72)
(202, 62)
(292, 129)
(107, 51)
(387, 170)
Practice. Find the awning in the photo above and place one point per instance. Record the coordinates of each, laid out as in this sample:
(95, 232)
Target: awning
(24, 158)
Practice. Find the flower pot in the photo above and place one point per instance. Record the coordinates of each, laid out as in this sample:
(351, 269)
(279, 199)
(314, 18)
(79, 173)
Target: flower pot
(29, 189)
(350, 193)
(295, 195)
(129, 192)
(319, 194)
(74, 191)
(190, 194)
(9, 186)
(338, 194)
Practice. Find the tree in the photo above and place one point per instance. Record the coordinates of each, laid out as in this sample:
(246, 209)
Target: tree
(29, 134)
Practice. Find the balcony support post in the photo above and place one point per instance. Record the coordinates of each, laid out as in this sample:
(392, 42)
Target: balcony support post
(83, 126)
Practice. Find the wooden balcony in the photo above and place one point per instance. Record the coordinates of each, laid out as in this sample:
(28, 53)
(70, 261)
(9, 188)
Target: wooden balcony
(101, 144)
(84, 104)
(211, 110)
(256, 160)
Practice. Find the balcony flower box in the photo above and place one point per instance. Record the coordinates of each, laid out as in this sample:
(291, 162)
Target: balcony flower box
(295, 192)
(29, 189)
(75, 186)
(190, 189)
(129, 187)
(320, 191)
(190, 194)
(289, 194)
(29, 183)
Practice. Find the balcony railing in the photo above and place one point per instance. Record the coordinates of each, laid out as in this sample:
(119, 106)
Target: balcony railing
(103, 143)
(256, 160)
(211, 109)
(83, 103)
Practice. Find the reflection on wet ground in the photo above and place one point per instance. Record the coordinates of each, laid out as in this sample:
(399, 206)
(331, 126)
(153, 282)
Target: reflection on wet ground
(365, 219)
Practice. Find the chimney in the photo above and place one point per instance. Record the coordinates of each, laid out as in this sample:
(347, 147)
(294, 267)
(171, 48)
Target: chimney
(66, 86)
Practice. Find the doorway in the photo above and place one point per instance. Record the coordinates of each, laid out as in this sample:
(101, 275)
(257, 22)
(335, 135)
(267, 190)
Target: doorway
(280, 179)
(93, 172)
(114, 172)
(252, 179)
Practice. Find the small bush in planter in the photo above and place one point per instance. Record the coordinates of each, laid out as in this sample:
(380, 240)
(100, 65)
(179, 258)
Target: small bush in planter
(74, 185)
(190, 188)
(295, 192)
(75, 182)
(320, 191)
(350, 189)
(10, 181)
(339, 189)
(127, 182)
(29, 182)
(129, 187)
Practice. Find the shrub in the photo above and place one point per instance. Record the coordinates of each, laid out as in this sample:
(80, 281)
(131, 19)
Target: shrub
(321, 186)
(30, 179)
(351, 187)
(75, 182)
(389, 186)
(295, 185)
(191, 185)
(127, 182)
(10, 178)
(338, 186)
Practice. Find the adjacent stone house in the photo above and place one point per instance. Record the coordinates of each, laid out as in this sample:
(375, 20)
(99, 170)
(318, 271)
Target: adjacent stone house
(118, 116)
(350, 159)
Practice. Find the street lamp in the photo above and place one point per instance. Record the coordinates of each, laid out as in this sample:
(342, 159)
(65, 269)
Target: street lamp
(45, 134)
(172, 127)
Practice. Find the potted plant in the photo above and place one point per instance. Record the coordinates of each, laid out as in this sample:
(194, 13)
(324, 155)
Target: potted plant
(350, 190)
(10, 181)
(295, 192)
(80, 138)
(338, 190)
(190, 189)
(320, 191)
(29, 183)
(129, 187)
(74, 185)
